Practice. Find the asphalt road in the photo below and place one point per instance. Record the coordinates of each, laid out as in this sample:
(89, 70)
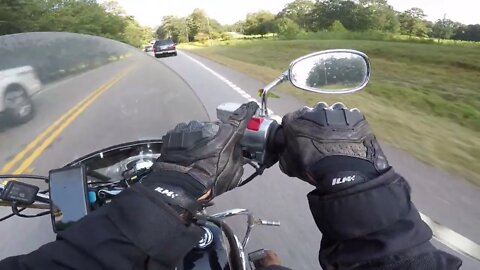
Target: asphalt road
(147, 97)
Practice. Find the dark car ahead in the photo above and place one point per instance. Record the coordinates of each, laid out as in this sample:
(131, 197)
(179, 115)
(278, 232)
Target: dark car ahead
(164, 47)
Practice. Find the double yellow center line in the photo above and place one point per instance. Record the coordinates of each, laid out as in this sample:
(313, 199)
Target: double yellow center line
(44, 139)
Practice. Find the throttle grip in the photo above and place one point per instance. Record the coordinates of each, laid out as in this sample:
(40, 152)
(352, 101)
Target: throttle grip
(276, 140)
(275, 144)
(263, 139)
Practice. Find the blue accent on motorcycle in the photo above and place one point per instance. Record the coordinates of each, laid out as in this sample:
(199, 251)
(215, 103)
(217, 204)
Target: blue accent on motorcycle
(92, 196)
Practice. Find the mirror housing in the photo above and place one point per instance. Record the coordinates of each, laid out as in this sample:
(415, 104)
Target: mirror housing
(331, 72)
(327, 72)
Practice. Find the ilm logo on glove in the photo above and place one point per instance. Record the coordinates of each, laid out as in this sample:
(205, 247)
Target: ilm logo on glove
(338, 181)
(166, 192)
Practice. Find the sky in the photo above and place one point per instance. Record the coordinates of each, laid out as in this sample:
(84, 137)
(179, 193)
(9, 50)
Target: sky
(150, 12)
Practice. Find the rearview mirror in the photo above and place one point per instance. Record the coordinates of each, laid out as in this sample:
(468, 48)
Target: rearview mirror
(331, 72)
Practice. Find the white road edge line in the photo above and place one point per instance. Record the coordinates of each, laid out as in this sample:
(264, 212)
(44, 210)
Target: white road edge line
(443, 234)
(225, 80)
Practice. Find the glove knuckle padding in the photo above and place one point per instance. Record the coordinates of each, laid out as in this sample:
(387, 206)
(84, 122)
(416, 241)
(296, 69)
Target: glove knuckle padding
(351, 149)
(313, 134)
(208, 151)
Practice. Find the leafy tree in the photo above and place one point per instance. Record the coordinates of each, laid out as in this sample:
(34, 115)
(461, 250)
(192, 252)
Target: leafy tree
(443, 29)
(287, 28)
(259, 23)
(236, 27)
(344, 11)
(382, 16)
(412, 22)
(215, 26)
(175, 28)
(196, 23)
(77, 16)
(13, 15)
(468, 32)
(352, 15)
(316, 20)
(113, 7)
(359, 18)
(298, 11)
(135, 34)
(337, 26)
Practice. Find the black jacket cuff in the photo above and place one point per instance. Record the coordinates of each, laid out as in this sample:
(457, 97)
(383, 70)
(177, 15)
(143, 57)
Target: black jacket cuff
(368, 222)
(274, 267)
(143, 219)
(364, 208)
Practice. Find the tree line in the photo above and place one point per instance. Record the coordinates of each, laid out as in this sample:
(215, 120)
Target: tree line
(320, 15)
(78, 16)
(110, 20)
(195, 27)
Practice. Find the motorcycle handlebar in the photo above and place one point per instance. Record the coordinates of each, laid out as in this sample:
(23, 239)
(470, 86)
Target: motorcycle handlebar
(263, 141)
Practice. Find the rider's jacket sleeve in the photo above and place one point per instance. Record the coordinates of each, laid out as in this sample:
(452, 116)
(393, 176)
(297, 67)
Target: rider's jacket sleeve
(374, 225)
(274, 267)
(136, 227)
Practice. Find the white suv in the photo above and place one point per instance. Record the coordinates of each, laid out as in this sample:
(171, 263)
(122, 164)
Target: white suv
(17, 85)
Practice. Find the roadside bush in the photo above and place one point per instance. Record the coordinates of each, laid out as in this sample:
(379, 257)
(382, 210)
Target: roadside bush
(215, 35)
(201, 37)
(287, 28)
(337, 26)
(226, 36)
(330, 35)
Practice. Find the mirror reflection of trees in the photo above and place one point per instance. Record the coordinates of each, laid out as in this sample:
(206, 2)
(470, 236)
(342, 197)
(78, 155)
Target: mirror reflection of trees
(337, 71)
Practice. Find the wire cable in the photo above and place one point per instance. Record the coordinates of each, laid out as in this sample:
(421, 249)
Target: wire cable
(16, 212)
(11, 215)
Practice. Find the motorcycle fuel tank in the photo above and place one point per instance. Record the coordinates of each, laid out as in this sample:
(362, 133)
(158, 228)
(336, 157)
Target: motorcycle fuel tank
(210, 253)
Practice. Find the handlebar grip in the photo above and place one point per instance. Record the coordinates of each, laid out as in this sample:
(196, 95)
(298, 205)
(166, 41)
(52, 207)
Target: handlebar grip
(263, 141)
(276, 140)
(275, 144)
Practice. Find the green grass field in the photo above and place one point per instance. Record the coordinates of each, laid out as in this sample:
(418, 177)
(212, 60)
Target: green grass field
(424, 98)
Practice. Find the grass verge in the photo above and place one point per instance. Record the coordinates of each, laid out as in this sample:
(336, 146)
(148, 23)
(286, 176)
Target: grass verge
(422, 98)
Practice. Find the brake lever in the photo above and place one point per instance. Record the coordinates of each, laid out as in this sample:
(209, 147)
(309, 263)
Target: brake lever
(258, 171)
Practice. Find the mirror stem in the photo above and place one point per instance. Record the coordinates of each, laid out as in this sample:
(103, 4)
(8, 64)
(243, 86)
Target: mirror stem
(282, 78)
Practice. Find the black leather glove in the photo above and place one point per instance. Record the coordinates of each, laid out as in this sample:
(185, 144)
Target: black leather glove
(201, 157)
(332, 148)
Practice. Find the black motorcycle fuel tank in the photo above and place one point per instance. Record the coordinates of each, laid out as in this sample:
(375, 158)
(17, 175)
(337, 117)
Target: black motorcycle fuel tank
(211, 252)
